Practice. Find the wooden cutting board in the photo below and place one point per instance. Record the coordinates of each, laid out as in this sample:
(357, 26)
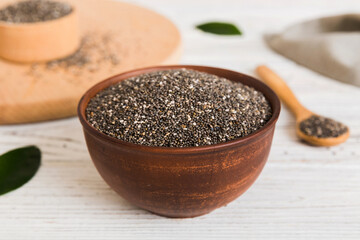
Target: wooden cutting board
(118, 37)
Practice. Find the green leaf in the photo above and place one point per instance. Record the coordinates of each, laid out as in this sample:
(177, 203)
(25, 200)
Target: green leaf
(17, 167)
(220, 28)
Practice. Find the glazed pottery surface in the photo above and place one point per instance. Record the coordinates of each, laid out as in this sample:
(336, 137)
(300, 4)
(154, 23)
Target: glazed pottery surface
(181, 182)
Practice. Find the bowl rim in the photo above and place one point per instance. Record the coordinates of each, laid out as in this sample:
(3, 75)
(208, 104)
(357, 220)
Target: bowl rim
(269, 94)
(21, 25)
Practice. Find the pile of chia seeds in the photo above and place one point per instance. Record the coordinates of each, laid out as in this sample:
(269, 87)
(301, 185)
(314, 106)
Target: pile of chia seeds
(93, 51)
(322, 127)
(178, 108)
(97, 51)
(34, 11)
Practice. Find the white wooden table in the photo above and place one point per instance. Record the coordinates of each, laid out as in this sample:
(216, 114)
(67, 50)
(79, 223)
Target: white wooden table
(303, 193)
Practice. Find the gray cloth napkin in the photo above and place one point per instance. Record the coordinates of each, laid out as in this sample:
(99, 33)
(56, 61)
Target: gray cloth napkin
(330, 46)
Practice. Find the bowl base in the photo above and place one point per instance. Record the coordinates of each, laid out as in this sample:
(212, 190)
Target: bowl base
(180, 215)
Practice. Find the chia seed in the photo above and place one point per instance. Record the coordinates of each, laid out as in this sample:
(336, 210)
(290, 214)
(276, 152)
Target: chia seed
(178, 108)
(34, 11)
(322, 127)
(95, 51)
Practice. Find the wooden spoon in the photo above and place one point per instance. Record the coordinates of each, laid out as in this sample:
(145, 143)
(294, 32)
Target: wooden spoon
(301, 113)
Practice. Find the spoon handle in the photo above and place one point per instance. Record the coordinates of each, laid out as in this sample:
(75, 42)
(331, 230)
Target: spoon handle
(278, 85)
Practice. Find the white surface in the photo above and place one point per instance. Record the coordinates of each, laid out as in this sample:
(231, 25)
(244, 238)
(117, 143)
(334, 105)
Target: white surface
(303, 193)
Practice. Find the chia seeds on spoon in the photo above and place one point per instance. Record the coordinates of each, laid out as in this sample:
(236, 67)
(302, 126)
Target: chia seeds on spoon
(34, 11)
(178, 108)
(322, 127)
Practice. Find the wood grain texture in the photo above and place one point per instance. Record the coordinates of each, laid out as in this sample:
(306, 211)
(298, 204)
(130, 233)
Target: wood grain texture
(137, 36)
(303, 192)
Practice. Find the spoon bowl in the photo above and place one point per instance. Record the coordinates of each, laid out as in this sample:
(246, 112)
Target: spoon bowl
(330, 141)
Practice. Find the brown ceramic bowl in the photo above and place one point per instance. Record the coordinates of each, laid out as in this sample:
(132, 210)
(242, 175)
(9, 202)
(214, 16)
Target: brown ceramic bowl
(180, 182)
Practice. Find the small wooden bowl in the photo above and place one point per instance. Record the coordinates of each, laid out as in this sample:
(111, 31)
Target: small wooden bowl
(180, 182)
(40, 41)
